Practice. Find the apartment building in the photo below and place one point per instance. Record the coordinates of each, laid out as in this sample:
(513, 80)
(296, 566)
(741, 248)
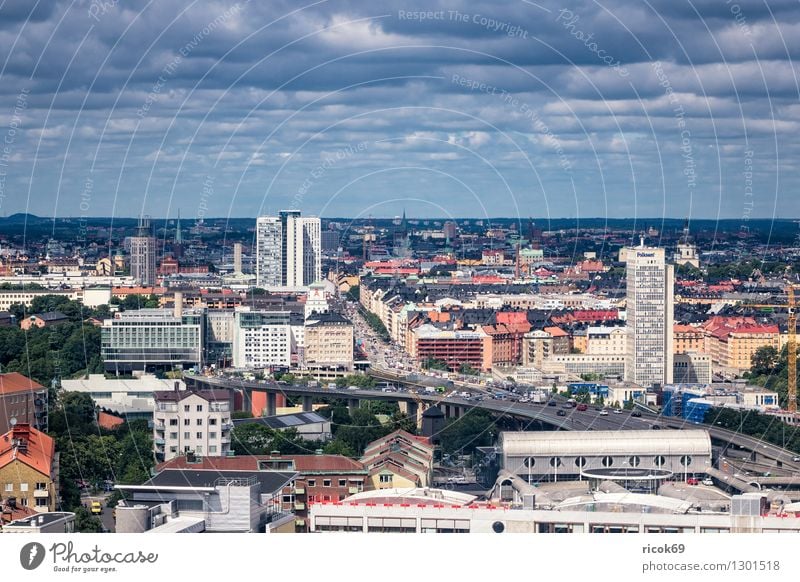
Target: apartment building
(188, 421)
(22, 401)
(29, 468)
(398, 459)
(262, 339)
(732, 341)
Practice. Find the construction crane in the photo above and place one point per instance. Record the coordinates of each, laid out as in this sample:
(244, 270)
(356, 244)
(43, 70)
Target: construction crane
(791, 344)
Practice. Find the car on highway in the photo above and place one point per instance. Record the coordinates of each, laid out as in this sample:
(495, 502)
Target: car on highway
(692, 481)
(617, 411)
(796, 459)
(636, 414)
(708, 482)
(561, 413)
(581, 407)
(603, 413)
(656, 427)
(97, 508)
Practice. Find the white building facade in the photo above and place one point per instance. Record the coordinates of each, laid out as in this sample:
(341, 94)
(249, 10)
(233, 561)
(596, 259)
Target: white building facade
(650, 304)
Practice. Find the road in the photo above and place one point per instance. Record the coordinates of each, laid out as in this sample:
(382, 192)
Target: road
(572, 420)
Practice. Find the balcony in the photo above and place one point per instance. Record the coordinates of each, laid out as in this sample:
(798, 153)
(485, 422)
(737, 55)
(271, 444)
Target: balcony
(299, 491)
(160, 428)
(226, 426)
(41, 493)
(353, 490)
(159, 441)
(298, 506)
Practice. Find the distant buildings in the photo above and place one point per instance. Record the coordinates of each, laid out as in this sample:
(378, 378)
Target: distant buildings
(649, 317)
(29, 468)
(288, 250)
(188, 421)
(23, 401)
(143, 255)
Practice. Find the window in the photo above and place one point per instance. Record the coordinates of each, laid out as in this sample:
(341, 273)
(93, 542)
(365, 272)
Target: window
(186, 408)
(173, 449)
(199, 435)
(9, 487)
(686, 460)
(187, 422)
(23, 486)
(41, 501)
(634, 461)
(212, 449)
(212, 421)
(199, 422)
(312, 483)
(555, 461)
(187, 449)
(212, 435)
(326, 482)
(173, 422)
(326, 497)
(42, 486)
(608, 461)
(199, 408)
(342, 482)
(385, 478)
(173, 435)
(529, 462)
(187, 435)
(580, 462)
(659, 461)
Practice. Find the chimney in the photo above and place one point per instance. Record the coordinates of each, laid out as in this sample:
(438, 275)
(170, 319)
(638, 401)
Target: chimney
(177, 386)
(178, 304)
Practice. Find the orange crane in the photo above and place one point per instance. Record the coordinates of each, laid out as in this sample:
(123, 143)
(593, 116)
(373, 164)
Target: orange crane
(791, 344)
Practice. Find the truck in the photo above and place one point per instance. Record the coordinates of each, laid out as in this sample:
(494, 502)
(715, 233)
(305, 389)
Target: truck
(537, 397)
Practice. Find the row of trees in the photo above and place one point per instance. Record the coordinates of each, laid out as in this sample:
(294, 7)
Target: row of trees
(770, 369)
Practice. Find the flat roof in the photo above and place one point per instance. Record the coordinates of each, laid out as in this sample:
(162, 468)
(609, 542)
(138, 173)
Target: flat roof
(610, 442)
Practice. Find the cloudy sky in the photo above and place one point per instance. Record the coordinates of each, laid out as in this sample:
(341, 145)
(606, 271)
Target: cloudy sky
(643, 108)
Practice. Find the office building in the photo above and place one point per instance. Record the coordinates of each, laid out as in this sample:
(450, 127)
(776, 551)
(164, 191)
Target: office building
(152, 339)
(288, 250)
(328, 342)
(237, 257)
(262, 339)
(330, 241)
(192, 421)
(143, 255)
(649, 317)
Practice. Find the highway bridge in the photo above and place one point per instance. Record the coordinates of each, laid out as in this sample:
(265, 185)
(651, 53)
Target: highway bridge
(525, 413)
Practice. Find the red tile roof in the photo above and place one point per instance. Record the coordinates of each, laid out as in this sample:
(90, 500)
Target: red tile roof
(109, 421)
(302, 463)
(38, 454)
(15, 382)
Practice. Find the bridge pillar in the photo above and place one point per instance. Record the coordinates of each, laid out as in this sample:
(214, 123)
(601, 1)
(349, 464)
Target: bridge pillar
(412, 409)
(457, 411)
(352, 405)
(271, 406)
(308, 402)
(423, 406)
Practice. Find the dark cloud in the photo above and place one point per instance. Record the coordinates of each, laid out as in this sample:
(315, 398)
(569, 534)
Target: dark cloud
(584, 109)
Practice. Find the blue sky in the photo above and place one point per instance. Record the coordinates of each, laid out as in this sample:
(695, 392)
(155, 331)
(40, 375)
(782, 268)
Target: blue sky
(351, 108)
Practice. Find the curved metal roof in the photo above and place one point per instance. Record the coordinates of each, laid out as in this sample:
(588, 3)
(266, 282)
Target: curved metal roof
(628, 442)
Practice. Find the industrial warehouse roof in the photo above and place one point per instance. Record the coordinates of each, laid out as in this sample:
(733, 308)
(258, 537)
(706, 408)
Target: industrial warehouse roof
(270, 481)
(623, 442)
(414, 495)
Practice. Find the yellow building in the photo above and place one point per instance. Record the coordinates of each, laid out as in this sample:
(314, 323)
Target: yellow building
(328, 342)
(688, 338)
(398, 460)
(29, 468)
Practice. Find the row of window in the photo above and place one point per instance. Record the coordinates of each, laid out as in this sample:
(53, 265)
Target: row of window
(607, 461)
(23, 487)
(329, 483)
(187, 435)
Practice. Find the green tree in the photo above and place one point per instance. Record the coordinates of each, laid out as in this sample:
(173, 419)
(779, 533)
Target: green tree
(764, 360)
(85, 522)
(251, 439)
(472, 430)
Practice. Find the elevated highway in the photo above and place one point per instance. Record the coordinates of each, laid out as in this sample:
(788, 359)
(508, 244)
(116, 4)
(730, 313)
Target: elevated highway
(525, 413)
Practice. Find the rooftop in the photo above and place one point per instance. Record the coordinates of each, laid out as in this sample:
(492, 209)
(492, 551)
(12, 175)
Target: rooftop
(16, 382)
